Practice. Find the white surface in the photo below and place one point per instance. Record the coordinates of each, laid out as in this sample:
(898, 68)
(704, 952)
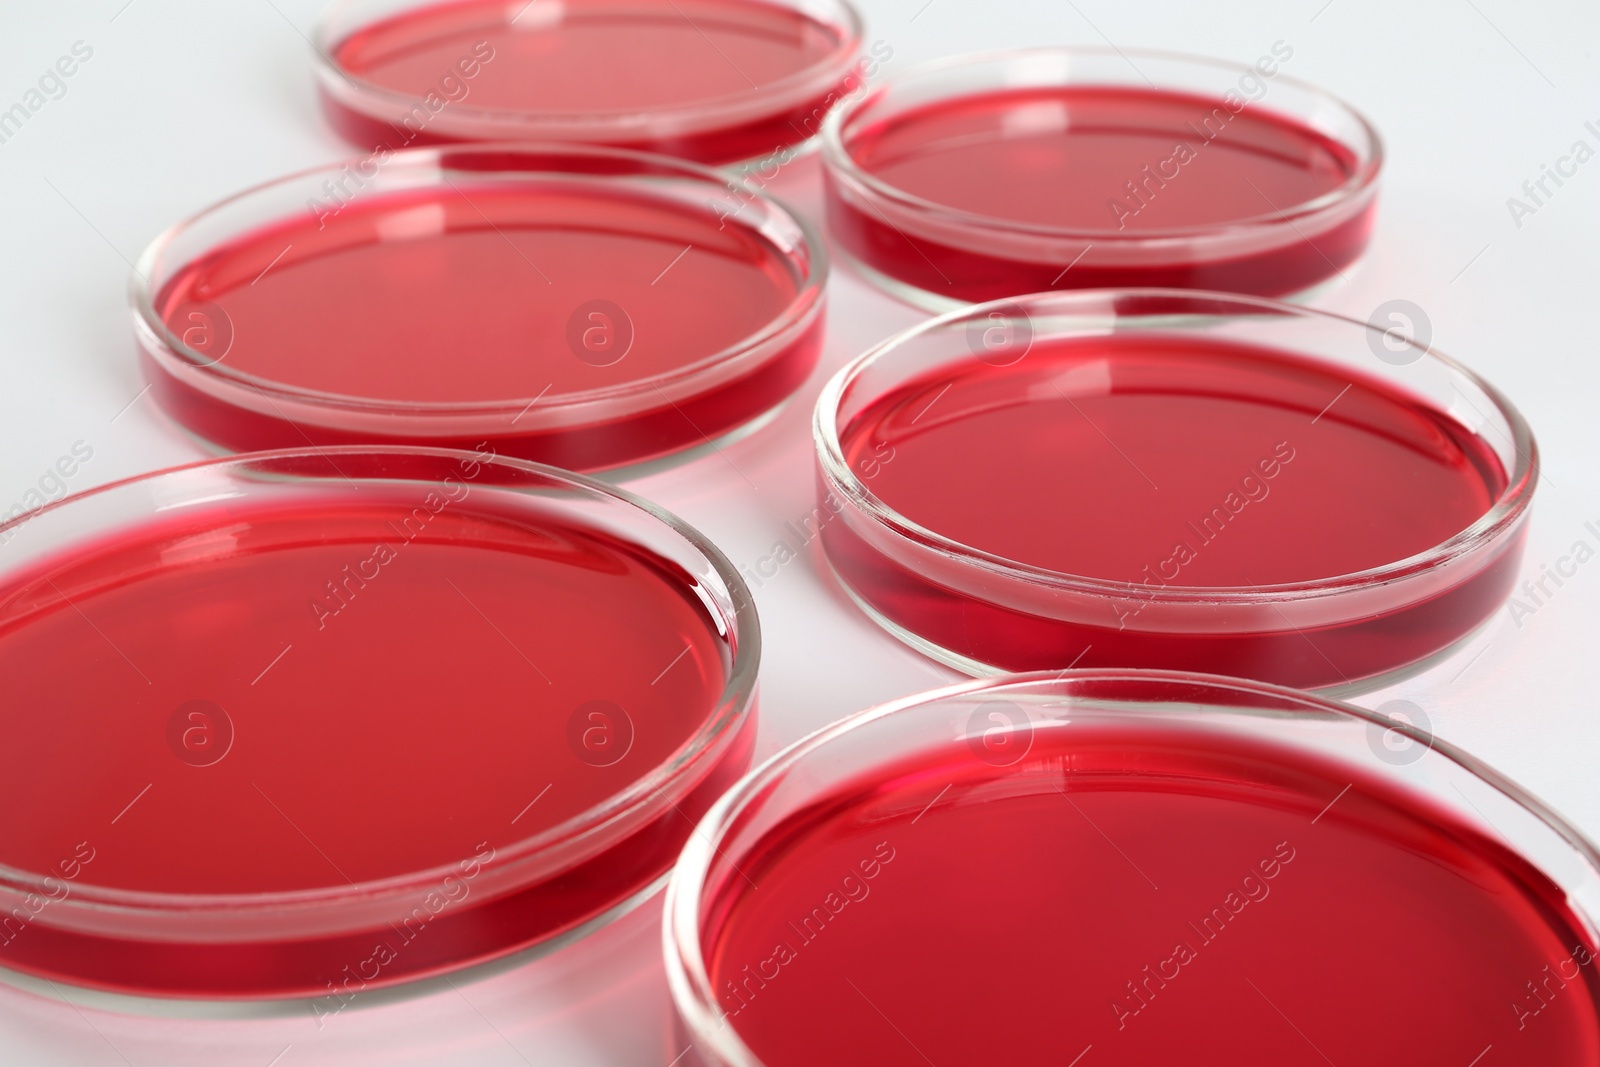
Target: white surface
(186, 102)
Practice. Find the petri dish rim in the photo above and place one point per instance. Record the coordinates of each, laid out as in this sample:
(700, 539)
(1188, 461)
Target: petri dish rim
(734, 704)
(837, 158)
(157, 338)
(1100, 305)
(582, 126)
(689, 981)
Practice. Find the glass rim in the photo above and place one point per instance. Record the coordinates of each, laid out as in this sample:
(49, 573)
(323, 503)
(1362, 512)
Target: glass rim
(732, 707)
(838, 159)
(1503, 515)
(712, 113)
(163, 345)
(688, 979)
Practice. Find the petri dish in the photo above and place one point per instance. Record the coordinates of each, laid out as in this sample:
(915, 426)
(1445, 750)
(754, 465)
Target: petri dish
(716, 81)
(585, 307)
(1172, 479)
(1139, 867)
(981, 177)
(306, 724)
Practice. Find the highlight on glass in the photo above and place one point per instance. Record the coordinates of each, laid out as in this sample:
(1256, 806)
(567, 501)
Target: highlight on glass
(716, 81)
(307, 724)
(979, 177)
(586, 307)
(1135, 867)
(1163, 478)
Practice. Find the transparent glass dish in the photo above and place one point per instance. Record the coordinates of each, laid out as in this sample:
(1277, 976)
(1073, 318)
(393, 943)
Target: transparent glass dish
(586, 307)
(716, 81)
(1148, 866)
(313, 723)
(979, 177)
(1099, 484)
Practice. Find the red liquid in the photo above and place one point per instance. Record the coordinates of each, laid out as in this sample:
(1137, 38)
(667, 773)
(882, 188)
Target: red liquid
(405, 718)
(599, 58)
(432, 296)
(1062, 158)
(1141, 898)
(1158, 461)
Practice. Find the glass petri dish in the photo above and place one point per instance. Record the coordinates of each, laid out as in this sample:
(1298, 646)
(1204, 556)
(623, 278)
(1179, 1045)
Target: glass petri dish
(716, 81)
(1172, 479)
(981, 177)
(1155, 866)
(304, 724)
(585, 307)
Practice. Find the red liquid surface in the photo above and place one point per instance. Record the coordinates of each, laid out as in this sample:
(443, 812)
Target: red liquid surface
(403, 718)
(1160, 461)
(1062, 158)
(440, 296)
(1145, 898)
(596, 57)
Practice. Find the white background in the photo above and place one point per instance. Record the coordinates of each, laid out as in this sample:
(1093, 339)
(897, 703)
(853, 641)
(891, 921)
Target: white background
(186, 102)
